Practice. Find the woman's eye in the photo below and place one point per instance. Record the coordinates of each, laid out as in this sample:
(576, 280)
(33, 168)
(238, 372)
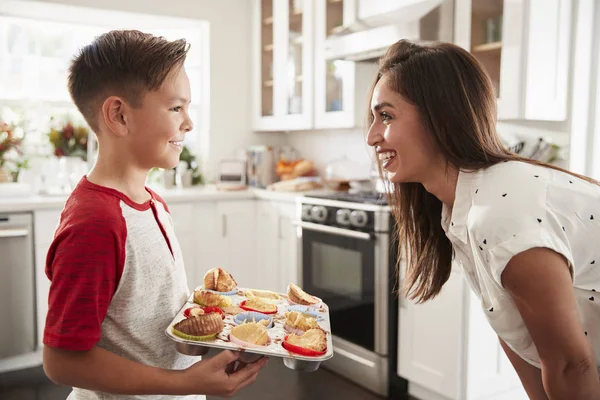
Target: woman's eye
(385, 117)
(176, 109)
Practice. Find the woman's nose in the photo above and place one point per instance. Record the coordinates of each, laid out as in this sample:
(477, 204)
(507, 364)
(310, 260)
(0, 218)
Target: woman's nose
(374, 136)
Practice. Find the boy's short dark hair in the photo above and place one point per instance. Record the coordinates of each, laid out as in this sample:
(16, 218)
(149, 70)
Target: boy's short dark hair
(126, 63)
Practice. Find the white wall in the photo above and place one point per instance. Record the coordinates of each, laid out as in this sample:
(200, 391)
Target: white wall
(230, 44)
(324, 146)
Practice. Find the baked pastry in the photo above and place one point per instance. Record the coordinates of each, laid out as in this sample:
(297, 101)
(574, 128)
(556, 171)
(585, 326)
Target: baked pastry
(266, 294)
(299, 296)
(219, 280)
(232, 310)
(199, 327)
(253, 333)
(195, 311)
(259, 304)
(206, 298)
(313, 339)
(299, 321)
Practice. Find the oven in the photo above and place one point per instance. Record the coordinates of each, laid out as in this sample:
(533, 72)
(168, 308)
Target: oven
(348, 260)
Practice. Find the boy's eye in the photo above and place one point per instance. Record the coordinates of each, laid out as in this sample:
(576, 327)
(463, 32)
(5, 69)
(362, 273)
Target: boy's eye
(176, 109)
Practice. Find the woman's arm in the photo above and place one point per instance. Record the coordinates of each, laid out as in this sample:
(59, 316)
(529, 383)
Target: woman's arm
(540, 283)
(100, 370)
(531, 377)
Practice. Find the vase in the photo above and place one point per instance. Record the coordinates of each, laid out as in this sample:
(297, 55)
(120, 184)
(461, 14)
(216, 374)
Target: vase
(5, 176)
(71, 170)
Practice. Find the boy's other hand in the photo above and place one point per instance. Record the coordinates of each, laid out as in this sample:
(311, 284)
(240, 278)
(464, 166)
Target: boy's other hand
(216, 376)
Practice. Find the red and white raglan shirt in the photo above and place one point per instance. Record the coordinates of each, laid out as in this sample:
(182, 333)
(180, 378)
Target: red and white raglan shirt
(117, 280)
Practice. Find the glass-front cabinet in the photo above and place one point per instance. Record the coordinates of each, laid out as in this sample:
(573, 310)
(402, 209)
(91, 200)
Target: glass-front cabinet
(284, 59)
(334, 79)
(524, 46)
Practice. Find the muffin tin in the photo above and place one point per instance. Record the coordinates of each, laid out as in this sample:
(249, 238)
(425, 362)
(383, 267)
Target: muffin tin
(276, 333)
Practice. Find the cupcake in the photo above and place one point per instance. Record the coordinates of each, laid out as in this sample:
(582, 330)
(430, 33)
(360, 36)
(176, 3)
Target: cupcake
(260, 305)
(233, 310)
(267, 294)
(312, 343)
(206, 298)
(299, 296)
(251, 334)
(199, 327)
(219, 280)
(298, 323)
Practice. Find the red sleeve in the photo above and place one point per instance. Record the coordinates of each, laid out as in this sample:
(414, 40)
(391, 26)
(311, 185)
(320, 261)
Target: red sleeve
(84, 264)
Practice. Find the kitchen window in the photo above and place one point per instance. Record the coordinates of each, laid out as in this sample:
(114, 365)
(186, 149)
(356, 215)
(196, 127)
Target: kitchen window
(38, 44)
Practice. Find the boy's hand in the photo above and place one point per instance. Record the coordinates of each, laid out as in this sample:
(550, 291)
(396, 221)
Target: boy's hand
(215, 376)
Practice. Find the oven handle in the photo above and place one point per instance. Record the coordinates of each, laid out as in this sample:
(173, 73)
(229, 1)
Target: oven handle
(333, 230)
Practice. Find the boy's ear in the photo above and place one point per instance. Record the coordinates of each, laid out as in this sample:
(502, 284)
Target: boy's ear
(113, 113)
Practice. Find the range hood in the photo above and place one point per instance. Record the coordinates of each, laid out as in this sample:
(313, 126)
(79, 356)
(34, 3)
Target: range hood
(374, 25)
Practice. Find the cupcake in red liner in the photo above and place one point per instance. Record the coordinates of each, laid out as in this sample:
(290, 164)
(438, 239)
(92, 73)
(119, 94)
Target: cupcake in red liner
(260, 305)
(251, 334)
(193, 311)
(313, 343)
(199, 327)
(298, 323)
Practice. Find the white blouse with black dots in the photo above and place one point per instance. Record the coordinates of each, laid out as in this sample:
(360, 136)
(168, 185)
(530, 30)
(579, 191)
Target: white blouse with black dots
(511, 207)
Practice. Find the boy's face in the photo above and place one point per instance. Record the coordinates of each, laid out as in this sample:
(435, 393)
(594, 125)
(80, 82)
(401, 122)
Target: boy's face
(156, 129)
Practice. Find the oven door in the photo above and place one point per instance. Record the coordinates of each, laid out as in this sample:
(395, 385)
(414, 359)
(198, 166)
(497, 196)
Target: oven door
(339, 266)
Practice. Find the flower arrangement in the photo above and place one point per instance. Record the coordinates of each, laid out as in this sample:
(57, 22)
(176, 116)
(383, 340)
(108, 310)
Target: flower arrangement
(69, 140)
(9, 142)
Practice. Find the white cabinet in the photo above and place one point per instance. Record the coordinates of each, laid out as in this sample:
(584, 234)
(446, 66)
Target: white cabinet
(185, 222)
(276, 245)
(283, 65)
(335, 80)
(448, 351)
(235, 240)
(524, 45)
(45, 223)
(430, 348)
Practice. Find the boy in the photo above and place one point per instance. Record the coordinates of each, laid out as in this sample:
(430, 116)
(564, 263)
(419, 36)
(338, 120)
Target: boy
(116, 271)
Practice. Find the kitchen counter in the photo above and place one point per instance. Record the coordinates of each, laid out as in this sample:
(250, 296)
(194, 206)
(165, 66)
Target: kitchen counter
(204, 193)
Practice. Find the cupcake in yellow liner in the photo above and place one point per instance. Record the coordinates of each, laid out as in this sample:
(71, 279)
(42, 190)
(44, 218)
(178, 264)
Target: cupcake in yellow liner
(199, 327)
(267, 294)
(207, 298)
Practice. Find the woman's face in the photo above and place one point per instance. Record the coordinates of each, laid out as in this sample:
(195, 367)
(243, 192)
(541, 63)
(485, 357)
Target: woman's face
(405, 150)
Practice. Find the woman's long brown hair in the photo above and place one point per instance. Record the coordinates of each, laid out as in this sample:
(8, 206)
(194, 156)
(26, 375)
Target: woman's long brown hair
(457, 105)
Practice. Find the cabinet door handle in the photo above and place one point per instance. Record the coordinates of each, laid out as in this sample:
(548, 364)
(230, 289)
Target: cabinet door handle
(10, 233)
(224, 225)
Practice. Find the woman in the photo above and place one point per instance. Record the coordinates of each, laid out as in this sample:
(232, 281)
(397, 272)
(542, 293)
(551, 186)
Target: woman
(524, 233)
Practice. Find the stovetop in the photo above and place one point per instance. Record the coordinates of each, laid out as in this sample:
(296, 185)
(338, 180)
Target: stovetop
(358, 197)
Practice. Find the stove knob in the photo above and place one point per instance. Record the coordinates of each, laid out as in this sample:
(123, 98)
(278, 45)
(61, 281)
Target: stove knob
(359, 218)
(306, 212)
(342, 217)
(318, 214)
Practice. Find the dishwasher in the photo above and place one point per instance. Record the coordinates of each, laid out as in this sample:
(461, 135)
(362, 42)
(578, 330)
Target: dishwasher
(17, 285)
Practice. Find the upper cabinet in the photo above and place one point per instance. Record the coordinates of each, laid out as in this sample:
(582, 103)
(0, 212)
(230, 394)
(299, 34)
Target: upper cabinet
(283, 64)
(524, 45)
(315, 60)
(336, 82)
